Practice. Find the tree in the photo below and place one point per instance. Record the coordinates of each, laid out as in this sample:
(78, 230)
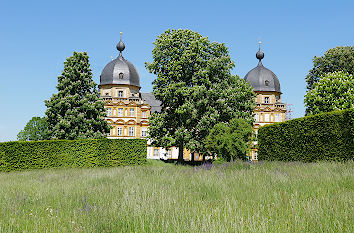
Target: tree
(196, 89)
(35, 130)
(230, 140)
(335, 59)
(76, 111)
(334, 91)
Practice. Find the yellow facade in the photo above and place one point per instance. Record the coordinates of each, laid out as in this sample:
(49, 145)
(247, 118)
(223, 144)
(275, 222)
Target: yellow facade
(269, 109)
(126, 112)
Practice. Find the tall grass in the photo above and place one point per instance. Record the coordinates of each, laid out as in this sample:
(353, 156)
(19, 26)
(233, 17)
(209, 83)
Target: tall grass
(158, 197)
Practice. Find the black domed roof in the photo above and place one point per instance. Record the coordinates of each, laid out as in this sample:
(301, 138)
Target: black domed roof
(120, 71)
(261, 78)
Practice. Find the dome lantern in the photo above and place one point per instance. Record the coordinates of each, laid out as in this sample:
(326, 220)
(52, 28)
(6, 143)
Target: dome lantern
(261, 78)
(120, 70)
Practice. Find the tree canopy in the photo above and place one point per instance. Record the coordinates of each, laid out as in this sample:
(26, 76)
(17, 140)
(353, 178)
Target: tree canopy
(76, 111)
(196, 89)
(230, 140)
(335, 59)
(35, 130)
(334, 91)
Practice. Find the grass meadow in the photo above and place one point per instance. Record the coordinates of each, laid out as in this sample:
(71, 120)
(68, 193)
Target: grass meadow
(159, 197)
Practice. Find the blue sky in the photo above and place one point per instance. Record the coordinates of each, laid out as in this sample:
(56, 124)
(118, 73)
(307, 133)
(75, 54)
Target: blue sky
(37, 36)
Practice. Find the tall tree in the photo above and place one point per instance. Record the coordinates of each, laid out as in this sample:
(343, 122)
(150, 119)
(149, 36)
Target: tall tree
(334, 91)
(196, 89)
(335, 59)
(230, 140)
(76, 111)
(35, 130)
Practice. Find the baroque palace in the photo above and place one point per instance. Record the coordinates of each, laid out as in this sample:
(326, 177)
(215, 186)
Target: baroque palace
(128, 109)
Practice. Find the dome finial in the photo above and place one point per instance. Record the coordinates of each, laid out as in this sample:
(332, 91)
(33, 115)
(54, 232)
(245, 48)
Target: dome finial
(260, 54)
(120, 45)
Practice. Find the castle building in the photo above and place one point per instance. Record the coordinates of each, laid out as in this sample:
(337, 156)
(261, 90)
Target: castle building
(128, 109)
(269, 107)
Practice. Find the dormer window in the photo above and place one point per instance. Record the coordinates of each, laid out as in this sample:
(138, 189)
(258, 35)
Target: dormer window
(121, 75)
(266, 82)
(266, 100)
(120, 94)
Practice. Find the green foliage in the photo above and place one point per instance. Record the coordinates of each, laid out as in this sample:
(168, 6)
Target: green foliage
(71, 153)
(335, 59)
(196, 88)
(35, 130)
(76, 111)
(326, 136)
(230, 140)
(334, 91)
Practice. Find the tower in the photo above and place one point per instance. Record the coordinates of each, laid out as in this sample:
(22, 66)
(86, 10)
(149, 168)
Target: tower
(269, 107)
(119, 86)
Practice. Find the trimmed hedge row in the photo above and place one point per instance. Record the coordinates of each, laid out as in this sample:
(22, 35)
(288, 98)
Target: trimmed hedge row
(71, 153)
(326, 136)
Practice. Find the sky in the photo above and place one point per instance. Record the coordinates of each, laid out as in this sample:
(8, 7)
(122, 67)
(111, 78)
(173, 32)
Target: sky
(37, 36)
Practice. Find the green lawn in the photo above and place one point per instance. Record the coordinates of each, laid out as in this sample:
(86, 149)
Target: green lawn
(158, 197)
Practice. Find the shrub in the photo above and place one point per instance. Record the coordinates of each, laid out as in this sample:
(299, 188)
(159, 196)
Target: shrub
(326, 136)
(71, 153)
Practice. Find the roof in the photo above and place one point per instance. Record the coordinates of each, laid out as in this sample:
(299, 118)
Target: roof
(149, 98)
(261, 78)
(120, 71)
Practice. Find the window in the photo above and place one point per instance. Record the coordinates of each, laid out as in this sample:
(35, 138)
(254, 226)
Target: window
(156, 152)
(120, 112)
(169, 153)
(132, 112)
(120, 131)
(121, 75)
(131, 131)
(266, 82)
(144, 132)
(277, 117)
(120, 94)
(109, 111)
(143, 114)
(256, 155)
(266, 100)
(256, 117)
(266, 117)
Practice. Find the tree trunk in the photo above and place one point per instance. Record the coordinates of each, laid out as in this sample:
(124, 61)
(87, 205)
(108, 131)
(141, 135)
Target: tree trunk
(180, 153)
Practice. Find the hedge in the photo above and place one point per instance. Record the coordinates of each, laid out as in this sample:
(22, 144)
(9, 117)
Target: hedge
(21, 155)
(326, 136)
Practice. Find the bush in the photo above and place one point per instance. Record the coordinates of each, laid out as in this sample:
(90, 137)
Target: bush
(326, 136)
(71, 153)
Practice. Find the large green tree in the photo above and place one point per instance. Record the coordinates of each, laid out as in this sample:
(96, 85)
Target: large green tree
(230, 140)
(76, 111)
(334, 91)
(335, 59)
(196, 89)
(35, 130)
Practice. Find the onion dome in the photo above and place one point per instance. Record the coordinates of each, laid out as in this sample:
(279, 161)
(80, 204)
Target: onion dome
(120, 70)
(261, 78)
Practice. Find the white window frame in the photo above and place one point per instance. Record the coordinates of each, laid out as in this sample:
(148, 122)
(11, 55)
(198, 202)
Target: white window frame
(109, 111)
(143, 114)
(266, 100)
(119, 131)
(256, 117)
(120, 113)
(266, 117)
(131, 131)
(132, 112)
(158, 152)
(143, 132)
(120, 92)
